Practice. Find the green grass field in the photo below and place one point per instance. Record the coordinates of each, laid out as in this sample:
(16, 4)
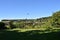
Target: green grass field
(29, 34)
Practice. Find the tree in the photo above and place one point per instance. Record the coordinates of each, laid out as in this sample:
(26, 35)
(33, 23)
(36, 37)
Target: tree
(56, 19)
(12, 25)
(2, 25)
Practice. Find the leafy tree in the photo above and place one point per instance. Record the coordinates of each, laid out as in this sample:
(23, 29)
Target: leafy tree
(2, 25)
(56, 19)
(12, 25)
(19, 24)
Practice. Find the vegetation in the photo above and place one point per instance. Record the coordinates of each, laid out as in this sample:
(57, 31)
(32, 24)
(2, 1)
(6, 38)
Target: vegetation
(45, 28)
(56, 19)
(2, 25)
(29, 35)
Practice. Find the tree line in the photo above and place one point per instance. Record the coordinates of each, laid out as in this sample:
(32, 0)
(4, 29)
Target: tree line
(53, 21)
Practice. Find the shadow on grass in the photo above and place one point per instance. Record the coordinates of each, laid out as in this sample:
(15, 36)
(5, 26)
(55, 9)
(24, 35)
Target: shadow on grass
(29, 35)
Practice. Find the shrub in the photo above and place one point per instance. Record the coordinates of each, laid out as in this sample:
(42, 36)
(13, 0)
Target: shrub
(2, 25)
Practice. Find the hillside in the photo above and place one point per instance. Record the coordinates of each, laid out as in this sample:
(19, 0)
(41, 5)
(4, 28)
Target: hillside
(27, 22)
(43, 22)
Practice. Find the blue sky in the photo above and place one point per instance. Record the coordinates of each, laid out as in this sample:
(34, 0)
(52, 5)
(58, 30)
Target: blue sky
(14, 9)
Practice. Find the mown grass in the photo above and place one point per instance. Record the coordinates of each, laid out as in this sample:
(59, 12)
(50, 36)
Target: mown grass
(30, 34)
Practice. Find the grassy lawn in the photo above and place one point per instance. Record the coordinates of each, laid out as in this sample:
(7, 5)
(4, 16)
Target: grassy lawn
(29, 34)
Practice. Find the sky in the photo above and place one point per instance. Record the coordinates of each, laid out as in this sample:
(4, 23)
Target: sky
(30, 9)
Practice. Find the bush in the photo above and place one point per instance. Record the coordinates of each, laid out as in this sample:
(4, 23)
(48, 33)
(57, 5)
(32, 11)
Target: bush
(56, 19)
(2, 25)
(12, 25)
